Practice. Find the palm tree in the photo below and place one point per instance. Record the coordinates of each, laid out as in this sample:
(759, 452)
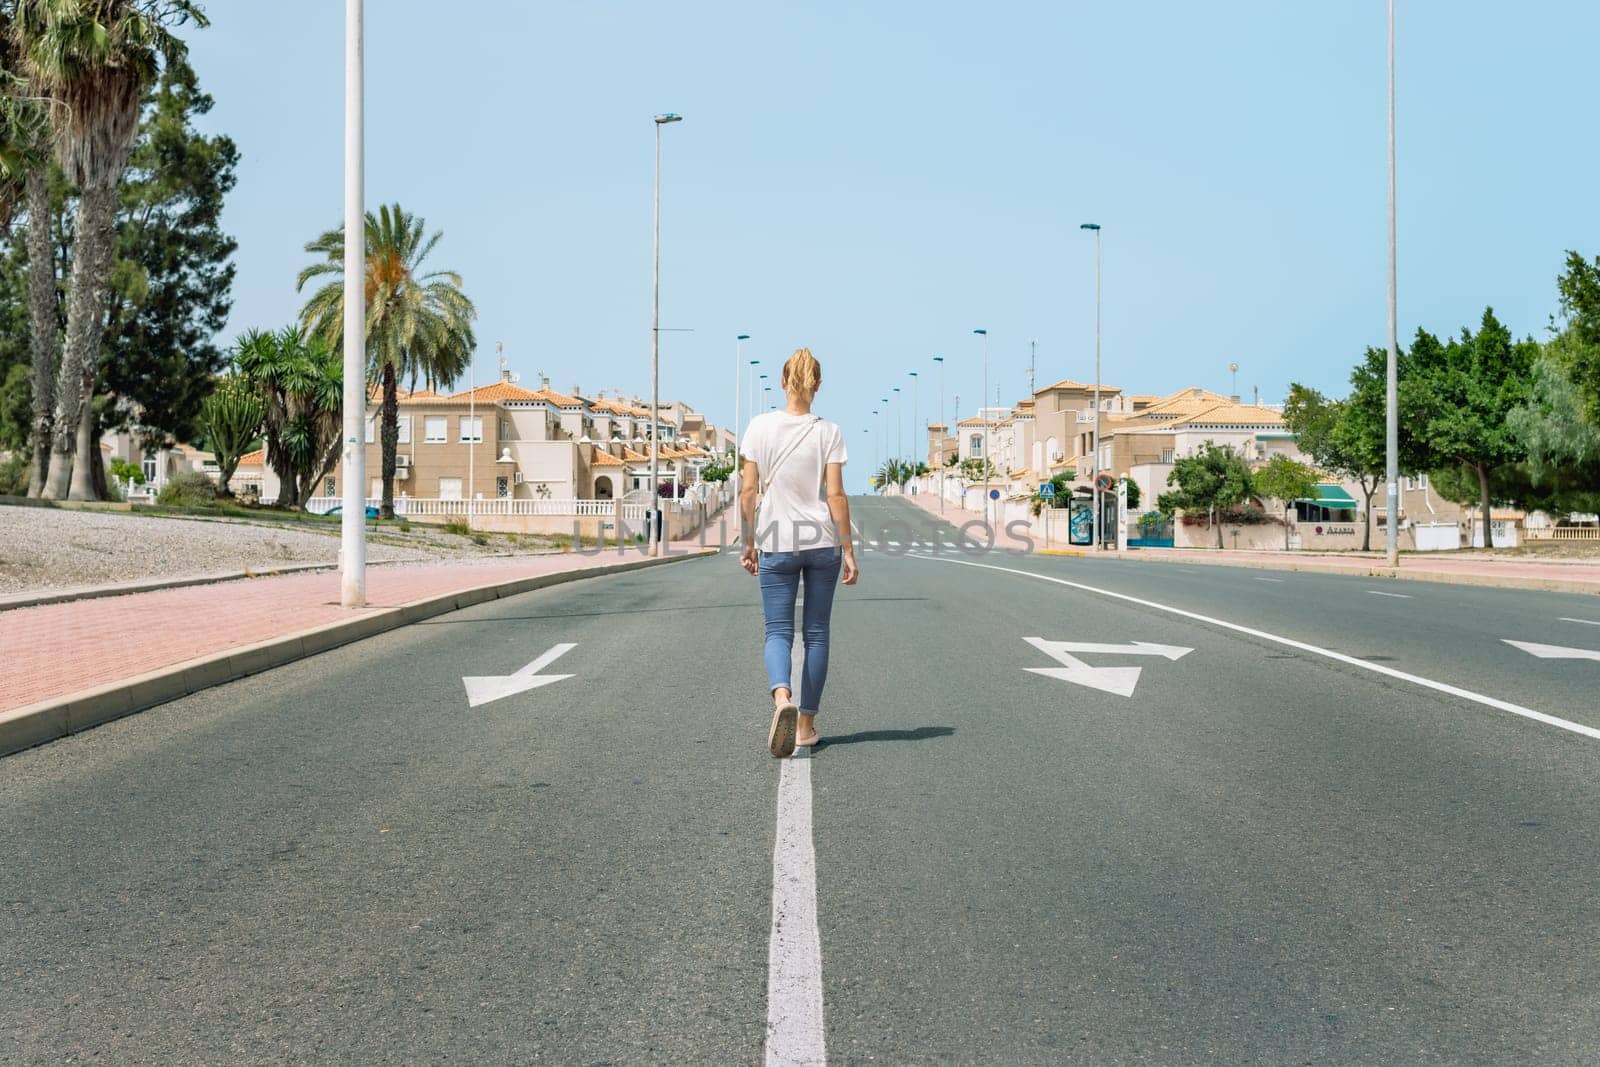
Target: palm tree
(25, 180)
(419, 324)
(92, 60)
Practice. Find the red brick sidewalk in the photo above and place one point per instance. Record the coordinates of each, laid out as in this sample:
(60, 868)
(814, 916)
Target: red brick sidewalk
(55, 650)
(1579, 576)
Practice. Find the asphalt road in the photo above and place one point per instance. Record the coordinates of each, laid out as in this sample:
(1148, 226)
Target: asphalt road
(1267, 853)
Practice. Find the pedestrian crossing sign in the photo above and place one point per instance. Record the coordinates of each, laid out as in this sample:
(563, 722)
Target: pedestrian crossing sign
(1047, 490)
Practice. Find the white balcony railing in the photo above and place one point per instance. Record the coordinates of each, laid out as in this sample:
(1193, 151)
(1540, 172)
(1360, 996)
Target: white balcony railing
(434, 507)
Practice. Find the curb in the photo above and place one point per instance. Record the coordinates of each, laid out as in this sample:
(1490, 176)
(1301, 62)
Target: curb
(50, 720)
(1493, 581)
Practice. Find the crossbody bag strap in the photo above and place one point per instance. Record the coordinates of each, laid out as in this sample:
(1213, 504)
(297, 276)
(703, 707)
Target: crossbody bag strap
(771, 472)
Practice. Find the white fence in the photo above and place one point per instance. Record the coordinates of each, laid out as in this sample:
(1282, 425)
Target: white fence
(433, 506)
(1561, 533)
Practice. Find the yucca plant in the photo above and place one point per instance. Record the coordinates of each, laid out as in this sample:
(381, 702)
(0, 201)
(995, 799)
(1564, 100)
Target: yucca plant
(300, 382)
(230, 418)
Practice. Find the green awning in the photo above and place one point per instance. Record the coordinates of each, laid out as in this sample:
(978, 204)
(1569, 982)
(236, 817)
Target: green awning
(1330, 496)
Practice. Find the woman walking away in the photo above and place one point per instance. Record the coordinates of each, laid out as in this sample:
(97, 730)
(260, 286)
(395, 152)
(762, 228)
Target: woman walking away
(794, 462)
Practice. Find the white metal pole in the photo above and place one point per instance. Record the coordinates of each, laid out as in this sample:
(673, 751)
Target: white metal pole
(472, 421)
(1391, 400)
(986, 446)
(1099, 535)
(940, 456)
(738, 365)
(353, 517)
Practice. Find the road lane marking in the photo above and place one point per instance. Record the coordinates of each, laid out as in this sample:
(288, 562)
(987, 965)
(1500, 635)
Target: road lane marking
(1397, 596)
(1269, 579)
(1586, 622)
(1316, 650)
(484, 689)
(1119, 680)
(794, 949)
(1553, 651)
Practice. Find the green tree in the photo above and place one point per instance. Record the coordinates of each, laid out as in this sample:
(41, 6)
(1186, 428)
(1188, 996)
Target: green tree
(716, 472)
(1577, 342)
(419, 322)
(25, 179)
(1212, 479)
(93, 59)
(1464, 391)
(1285, 479)
(1562, 444)
(231, 417)
(299, 380)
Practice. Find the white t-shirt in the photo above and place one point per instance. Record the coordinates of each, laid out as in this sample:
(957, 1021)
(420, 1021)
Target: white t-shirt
(792, 453)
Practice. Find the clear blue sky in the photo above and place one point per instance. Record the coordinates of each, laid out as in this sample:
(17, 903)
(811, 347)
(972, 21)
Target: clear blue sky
(875, 180)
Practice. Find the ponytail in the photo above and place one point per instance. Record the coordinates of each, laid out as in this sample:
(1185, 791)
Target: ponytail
(802, 374)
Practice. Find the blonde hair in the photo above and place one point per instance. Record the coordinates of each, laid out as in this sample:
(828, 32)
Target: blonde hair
(802, 374)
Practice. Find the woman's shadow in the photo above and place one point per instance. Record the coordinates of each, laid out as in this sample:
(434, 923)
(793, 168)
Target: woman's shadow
(921, 733)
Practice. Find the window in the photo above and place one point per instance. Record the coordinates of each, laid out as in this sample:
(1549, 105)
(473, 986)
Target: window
(501, 489)
(471, 429)
(149, 467)
(372, 428)
(434, 430)
(330, 488)
(977, 444)
(1416, 481)
(505, 430)
(375, 489)
(405, 429)
(449, 488)
(1105, 457)
(1166, 455)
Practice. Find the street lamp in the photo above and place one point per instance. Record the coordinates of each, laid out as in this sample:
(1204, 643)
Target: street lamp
(353, 515)
(655, 353)
(915, 417)
(1391, 421)
(738, 364)
(1099, 535)
(985, 335)
(940, 455)
(899, 436)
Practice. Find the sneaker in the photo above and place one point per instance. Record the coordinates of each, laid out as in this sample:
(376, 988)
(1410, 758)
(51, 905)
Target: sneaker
(780, 737)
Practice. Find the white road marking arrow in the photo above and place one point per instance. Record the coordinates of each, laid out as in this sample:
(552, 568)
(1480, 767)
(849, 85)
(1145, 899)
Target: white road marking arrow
(483, 689)
(1553, 651)
(1118, 680)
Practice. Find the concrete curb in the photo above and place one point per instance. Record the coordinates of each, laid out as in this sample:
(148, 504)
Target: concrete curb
(156, 585)
(50, 720)
(1493, 581)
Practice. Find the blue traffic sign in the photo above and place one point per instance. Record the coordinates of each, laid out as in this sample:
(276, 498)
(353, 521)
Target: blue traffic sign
(1047, 490)
(994, 494)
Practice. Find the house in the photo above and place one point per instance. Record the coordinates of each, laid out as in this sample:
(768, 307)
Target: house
(157, 460)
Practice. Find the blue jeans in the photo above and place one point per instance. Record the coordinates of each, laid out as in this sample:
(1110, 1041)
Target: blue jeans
(781, 574)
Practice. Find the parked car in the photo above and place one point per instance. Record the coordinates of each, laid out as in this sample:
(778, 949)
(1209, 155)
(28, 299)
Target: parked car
(338, 509)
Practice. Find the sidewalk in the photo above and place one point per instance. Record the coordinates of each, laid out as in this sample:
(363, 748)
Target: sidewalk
(1576, 576)
(188, 638)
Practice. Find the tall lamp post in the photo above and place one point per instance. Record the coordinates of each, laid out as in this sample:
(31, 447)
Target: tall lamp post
(656, 511)
(1099, 535)
(939, 456)
(738, 366)
(915, 417)
(985, 335)
(1391, 427)
(353, 515)
(899, 436)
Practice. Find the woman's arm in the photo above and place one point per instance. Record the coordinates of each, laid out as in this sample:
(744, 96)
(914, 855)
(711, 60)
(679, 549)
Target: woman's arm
(749, 490)
(839, 509)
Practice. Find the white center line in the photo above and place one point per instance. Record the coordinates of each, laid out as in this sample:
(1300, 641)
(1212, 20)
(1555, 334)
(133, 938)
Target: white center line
(1586, 622)
(1269, 579)
(1316, 650)
(1397, 596)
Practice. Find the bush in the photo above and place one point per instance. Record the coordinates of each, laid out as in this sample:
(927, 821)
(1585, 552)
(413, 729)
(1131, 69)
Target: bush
(458, 527)
(14, 474)
(191, 489)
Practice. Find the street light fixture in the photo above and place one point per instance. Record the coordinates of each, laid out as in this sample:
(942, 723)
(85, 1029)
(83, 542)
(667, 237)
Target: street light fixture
(1391, 421)
(1099, 535)
(656, 513)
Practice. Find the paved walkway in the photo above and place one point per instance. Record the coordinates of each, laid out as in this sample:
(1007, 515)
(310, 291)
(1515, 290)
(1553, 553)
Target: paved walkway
(54, 650)
(1580, 575)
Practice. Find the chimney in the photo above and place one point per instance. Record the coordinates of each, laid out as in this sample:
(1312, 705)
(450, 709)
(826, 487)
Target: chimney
(577, 390)
(1256, 389)
(544, 381)
(505, 374)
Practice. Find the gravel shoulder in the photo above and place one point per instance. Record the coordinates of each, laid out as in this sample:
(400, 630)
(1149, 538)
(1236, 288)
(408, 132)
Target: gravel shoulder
(49, 548)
